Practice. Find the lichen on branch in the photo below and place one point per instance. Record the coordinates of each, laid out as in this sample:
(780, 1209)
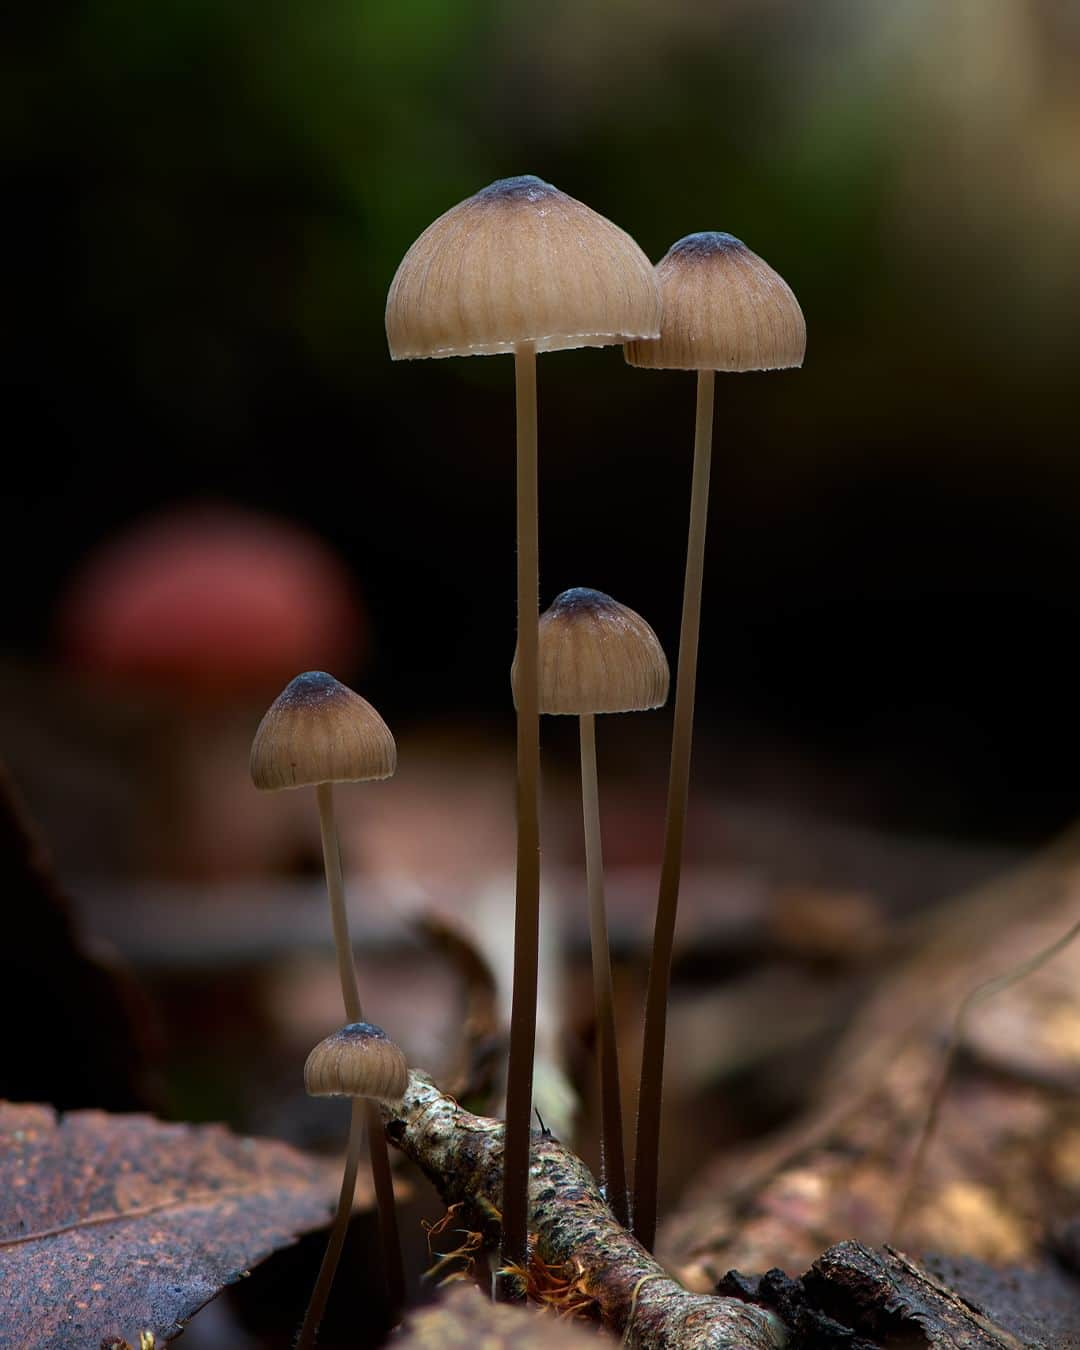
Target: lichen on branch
(571, 1228)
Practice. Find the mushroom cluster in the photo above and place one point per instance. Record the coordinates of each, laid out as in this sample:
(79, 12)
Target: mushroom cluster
(521, 268)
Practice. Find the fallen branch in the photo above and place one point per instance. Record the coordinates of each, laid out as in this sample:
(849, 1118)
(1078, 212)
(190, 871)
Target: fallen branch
(571, 1228)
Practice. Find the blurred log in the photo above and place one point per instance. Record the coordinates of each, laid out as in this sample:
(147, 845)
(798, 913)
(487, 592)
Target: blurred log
(865, 1299)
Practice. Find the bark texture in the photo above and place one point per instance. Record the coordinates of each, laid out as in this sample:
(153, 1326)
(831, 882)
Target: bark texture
(572, 1230)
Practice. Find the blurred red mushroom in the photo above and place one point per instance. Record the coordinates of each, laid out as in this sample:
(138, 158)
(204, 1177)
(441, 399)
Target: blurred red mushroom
(210, 604)
(190, 621)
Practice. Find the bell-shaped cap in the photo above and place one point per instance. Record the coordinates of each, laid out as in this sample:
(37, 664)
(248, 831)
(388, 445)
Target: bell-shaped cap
(360, 1060)
(597, 656)
(520, 262)
(724, 309)
(318, 731)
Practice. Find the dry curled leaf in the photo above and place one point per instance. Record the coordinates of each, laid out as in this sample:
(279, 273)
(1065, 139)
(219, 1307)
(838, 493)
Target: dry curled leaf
(119, 1228)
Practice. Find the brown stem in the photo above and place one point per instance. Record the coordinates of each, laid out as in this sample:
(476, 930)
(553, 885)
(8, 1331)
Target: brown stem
(611, 1126)
(383, 1177)
(633, 1296)
(527, 906)
(647, 1149)
(350, 992)
(321, 1293)
(335, 888)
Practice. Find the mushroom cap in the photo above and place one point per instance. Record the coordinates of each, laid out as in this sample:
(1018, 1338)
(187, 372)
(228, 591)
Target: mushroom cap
(597, 656)
(318, 730)
(724, 309)
(520, 261)
(360, 1060)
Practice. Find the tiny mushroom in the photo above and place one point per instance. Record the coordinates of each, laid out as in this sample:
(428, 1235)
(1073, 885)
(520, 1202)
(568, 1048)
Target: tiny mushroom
(358, 1061)
(318, 732)
(598, 656)
(521, 267)
(724, 309)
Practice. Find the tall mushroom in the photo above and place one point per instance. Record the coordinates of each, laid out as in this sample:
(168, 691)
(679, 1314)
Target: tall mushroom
(597, 656)
(724, 309)
(360, 1062)
(521, 267)
(316, 733)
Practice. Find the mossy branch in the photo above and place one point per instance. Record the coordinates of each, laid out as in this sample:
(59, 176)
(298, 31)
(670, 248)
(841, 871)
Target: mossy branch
(571, 1228)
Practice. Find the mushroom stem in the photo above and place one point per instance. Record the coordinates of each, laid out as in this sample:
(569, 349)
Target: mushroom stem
(527, 906)
(647, 1148)
(383, 1178)
(377, 1147)
(319, 1295)
(335, 887)
(611, 1126)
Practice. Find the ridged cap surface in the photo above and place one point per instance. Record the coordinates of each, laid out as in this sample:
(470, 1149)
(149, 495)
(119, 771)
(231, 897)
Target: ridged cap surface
(318, 730)
(360, 1060)
(520, 261)
(597, 656)
(724, 309)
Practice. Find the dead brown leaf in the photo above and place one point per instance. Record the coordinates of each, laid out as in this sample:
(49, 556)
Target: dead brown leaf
(1004, 1164)
(113, 1227)
(464, 1317)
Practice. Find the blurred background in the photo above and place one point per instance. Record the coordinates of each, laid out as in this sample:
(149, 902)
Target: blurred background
(215, 478)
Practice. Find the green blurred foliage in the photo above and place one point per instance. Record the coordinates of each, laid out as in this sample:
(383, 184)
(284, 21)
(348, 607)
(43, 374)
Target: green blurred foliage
(285, 154)
(211, 200)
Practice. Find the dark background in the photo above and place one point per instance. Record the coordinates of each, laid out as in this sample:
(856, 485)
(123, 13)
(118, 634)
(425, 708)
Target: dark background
(209, 201)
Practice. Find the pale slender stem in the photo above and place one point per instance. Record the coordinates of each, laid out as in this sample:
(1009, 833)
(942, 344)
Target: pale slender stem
(335, 887)
(611, 1125)
(377, 1147)
(647, 1150)
(319, 1295)
(519, 1081)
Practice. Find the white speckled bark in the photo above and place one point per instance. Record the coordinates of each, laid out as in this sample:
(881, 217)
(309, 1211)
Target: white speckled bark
(637, 1299)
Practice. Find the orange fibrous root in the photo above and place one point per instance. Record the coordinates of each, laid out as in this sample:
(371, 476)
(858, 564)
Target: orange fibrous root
(458, 1264)
(562, 1287)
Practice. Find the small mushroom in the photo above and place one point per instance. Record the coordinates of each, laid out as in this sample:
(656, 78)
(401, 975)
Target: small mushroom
(724, 309)
(358, 1061)
(597, 656)
(521, 267)
(318, 732)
